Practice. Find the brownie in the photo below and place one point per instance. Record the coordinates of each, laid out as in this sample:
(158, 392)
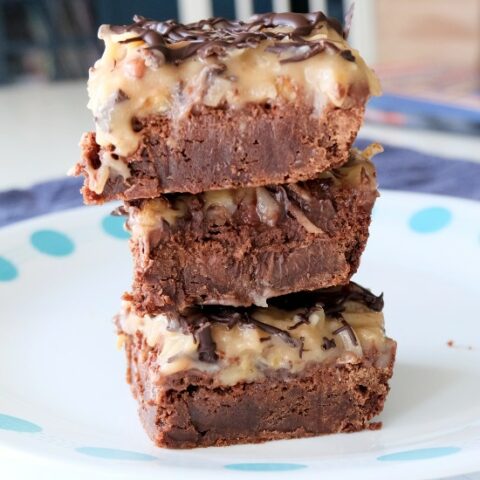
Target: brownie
(274, 100)
(190, 413)
(277, 144)
(243, 246)
(223, 376)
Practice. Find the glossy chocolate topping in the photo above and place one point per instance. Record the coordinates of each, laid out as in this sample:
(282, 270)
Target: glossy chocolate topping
(332, 299)
(174, 42)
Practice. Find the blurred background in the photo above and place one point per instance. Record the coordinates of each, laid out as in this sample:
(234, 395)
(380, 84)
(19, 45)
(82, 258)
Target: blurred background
(427, 53)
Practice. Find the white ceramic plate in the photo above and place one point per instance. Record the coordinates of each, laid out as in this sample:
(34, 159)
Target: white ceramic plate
(66, 411)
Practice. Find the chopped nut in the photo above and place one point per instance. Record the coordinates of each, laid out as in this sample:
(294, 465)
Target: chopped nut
(135, 68)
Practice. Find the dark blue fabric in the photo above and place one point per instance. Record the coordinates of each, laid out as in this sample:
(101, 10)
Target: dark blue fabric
(398, 169)
(404, 169)
(42, 198)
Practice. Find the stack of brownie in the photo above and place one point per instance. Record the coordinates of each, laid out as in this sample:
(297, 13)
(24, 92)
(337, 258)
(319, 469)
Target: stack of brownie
(229, 144)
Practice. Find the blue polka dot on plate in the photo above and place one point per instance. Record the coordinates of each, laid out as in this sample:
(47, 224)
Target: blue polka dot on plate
(15, 424)
(265, 467)
(430, 220)
(114, 454)
(419, 454)
(52, 242)
(8, 271)
(113, 226)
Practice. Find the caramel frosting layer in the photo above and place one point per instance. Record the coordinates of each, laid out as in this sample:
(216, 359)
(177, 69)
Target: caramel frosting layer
(166, 68)
(263, 205)
(339, 325)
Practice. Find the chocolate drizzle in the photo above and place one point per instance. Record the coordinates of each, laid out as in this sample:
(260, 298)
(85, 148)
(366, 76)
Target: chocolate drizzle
(230, 317)
(303, 50)
(346, 327)
(283, 334)
(206, 345)
(332, 300)
(302, 320)
(213, 37)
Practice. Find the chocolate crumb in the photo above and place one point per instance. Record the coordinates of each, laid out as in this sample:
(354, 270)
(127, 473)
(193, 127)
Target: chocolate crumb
(328, 343)
(347, 55)
(452, 344)
(120, 96)
(119, 211)
(94, 160)
(137, 125)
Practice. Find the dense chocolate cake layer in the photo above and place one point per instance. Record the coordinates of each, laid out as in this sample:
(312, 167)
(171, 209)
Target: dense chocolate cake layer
(243, 246)
(187, 411)
(218, 148)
